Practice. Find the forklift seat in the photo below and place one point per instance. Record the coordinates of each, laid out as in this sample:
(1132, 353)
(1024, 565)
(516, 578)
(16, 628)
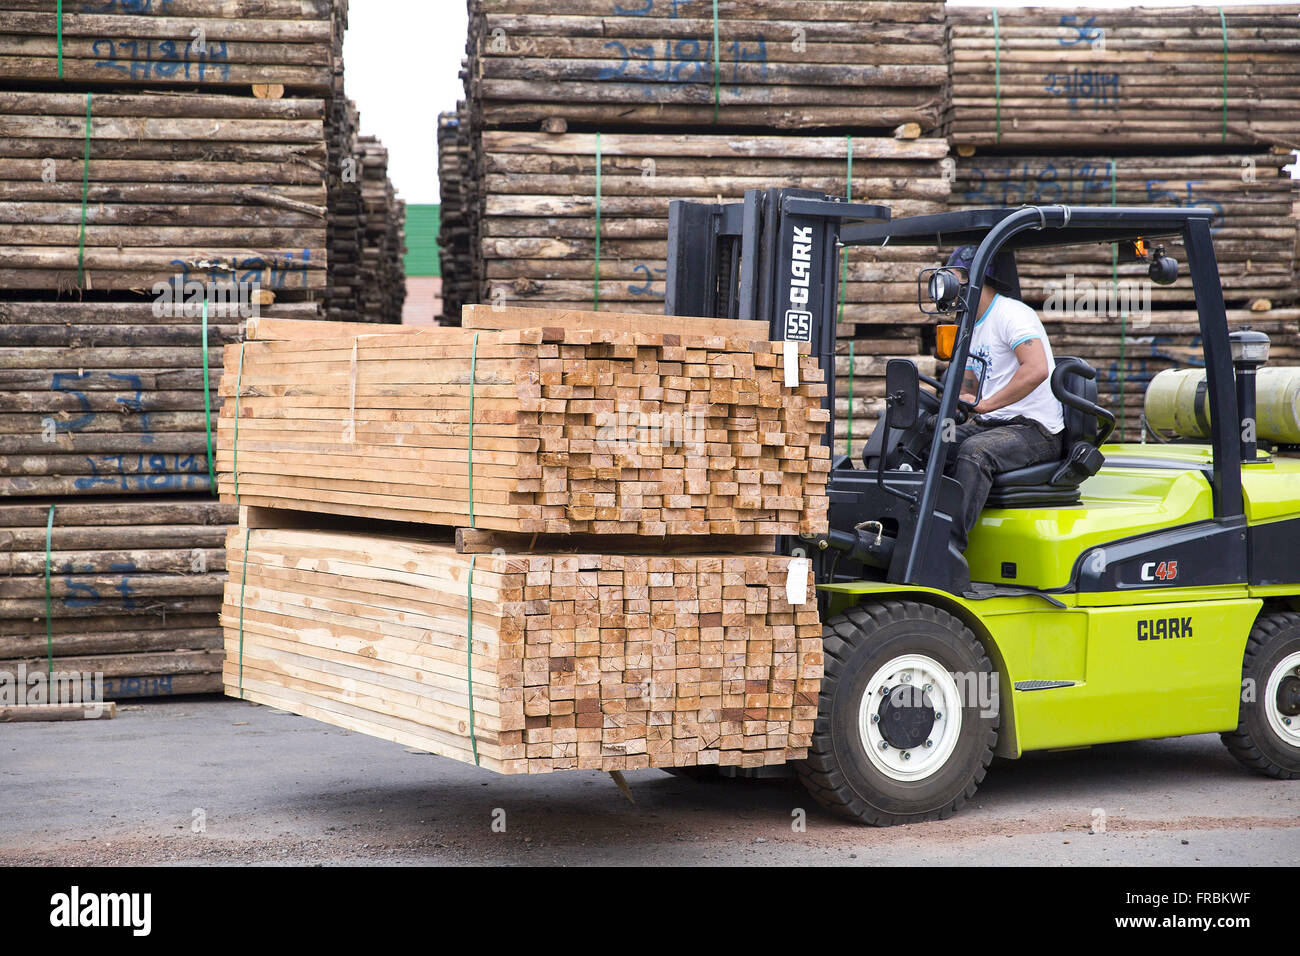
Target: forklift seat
(1087, 426)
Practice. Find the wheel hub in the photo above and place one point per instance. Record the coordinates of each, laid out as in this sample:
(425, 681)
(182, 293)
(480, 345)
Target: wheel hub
(910, 717)
(1288, 696)
(906, 717)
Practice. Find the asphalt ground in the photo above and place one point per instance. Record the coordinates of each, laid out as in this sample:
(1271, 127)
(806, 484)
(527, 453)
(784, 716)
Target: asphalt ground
(220, 781)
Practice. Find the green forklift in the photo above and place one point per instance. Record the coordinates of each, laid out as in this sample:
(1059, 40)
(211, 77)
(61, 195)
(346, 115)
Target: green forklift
(1124, 592)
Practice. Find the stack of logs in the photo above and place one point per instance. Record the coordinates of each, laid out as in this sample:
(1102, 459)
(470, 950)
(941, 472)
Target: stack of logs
(598, 629)
(219, 46)
(383, 290)
(793, 65)
(1196, 76)
(453, 234)
(176, 152)
(135, 586)
(118, 192)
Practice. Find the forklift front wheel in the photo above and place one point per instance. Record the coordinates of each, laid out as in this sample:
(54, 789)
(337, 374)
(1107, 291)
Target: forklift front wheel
(1267, 738)
(905, 729)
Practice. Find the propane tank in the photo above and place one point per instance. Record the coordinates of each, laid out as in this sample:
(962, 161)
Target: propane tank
(1176, 402)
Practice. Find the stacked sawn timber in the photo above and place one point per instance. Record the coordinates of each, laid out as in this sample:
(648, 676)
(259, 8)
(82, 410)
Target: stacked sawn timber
(778, 64)
(547, 427)
(134, 591)
(567, 657)
(203, 43)
(527, 663)
(1137, 76)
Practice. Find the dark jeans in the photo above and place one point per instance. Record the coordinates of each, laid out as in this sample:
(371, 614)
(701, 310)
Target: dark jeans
(984, 450)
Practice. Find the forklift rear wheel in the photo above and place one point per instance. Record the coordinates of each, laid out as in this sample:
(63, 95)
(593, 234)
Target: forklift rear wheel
(1267, 738)
(901, 735)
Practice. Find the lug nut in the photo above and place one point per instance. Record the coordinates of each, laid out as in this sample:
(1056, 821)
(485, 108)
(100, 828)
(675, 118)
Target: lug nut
(929, 743)
(907, 755)
(928, 688)
(907, 678)
(875, 718)
(938, 715)
(884, 745)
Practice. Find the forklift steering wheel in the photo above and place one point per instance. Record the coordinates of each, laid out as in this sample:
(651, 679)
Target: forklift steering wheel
(964, 410)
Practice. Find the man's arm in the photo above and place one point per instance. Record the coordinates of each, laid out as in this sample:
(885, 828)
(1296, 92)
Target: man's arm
(1032, 372)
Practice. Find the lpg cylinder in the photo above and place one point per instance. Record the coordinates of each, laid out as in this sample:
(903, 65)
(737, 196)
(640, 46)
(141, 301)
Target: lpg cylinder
(1176, 402)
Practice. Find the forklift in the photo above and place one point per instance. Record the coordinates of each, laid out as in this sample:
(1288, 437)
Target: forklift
(1124, 592)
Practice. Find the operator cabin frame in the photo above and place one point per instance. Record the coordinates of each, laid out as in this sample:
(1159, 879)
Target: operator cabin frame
(774, 258)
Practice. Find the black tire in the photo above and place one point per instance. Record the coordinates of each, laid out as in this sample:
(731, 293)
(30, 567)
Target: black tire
(838, 773)
(1255, 743)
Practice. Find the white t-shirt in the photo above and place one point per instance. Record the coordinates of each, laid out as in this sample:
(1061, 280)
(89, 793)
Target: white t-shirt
(1006, 324)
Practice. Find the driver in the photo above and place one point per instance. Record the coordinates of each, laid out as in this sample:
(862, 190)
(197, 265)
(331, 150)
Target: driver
(1017, 421)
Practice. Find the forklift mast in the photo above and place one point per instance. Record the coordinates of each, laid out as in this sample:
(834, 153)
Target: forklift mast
(772, 258)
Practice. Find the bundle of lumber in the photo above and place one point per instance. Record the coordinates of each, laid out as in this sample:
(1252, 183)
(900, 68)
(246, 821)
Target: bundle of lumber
(793, 64)
(1136, 76)
(134, 592)
(528, 663)
(121, 191)
(107, 398)
(215, 44)
(383, 270)
(1252, 199)
(567, 220)
(453, 234)
(564, 423)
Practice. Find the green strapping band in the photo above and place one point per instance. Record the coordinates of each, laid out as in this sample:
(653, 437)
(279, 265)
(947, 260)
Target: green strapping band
(207, 402)
(717, 66)
(49, 602)
(59, 29)
(1223, 24)
(473, 375)
(848, 447)
(469, 653)
(234, 467)
(239, 382)
(848, 195)
(1123, 316)
(242, 585)
(997, 71)
(844, 270)
(595, 292)
(85, 196)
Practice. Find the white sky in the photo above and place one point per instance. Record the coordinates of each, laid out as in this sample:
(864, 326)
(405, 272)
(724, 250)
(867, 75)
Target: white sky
(402, 61)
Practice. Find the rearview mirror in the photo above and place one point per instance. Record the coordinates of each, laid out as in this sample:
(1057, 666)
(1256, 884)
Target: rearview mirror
(902, 393)
(945, 341)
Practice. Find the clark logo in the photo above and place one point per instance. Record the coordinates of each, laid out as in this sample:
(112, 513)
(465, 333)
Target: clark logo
(77, 909)
(1164, 628)
(800, 266)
